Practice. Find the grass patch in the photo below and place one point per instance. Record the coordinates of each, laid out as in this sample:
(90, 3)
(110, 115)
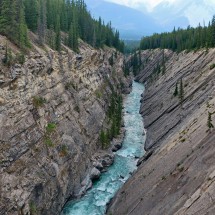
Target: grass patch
(38, 101)
(181, 169)
(212, 66)
(51, 127)
(33, 208)
(98, 94)
(48, 142)
(64, 151)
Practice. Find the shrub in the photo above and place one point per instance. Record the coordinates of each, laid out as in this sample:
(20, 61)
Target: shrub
(20, 58)
(38, 101)
(98, 94)
(212, 66)
(64, 151)
(33, 209)
(50, 127)
(48, 142)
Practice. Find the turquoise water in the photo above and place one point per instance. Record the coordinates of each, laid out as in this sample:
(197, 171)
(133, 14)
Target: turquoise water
(94, 202)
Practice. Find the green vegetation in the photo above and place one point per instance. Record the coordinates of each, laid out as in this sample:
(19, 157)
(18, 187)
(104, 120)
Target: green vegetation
(64, 151)
(181, 91)
(131, 46)
(209, 121)
(77, 109)
(48, 18)
(111, 60)
(176, 90)
(158, 70)
(70, 84)
(48, 141)
(126, 68)
(50, 127)
(38, 101)
(8, 57)
(115, 117)
(181, 39)
(212, 66)
(98, 93)
(12, 22)
(33, 209)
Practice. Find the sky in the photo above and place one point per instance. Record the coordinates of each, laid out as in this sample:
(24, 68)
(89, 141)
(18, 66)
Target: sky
(194, 11)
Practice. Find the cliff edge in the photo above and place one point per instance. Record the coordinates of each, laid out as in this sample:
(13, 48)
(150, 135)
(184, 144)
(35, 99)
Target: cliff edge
(177, 176)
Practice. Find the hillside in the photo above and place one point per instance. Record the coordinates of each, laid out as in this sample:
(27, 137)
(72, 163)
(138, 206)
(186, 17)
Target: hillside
(177, 174)
(53, 107)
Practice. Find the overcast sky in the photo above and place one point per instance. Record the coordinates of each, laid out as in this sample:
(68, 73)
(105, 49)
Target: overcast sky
(149, 4)
(195, 12)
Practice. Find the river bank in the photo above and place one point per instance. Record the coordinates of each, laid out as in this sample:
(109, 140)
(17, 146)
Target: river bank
(96, 199)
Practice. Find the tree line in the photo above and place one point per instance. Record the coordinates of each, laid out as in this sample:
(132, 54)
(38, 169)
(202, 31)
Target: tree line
(181, 39)
(49, 18)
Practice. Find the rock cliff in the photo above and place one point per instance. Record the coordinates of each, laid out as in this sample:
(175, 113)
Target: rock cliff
(52, 109)
(177, 175)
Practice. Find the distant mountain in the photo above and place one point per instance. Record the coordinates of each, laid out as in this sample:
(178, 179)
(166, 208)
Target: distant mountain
(182, 13)
(135, 23)
(131, 23)
(169, 16)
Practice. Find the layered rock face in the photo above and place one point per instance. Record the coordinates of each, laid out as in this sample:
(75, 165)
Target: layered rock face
(177, 176)
(52, 109)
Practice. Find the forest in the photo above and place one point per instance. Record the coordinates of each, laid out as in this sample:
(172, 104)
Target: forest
(55, 22)
(181, 39)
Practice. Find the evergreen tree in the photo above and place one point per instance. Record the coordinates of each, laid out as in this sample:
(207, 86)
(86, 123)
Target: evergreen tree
(176, 90)
(181, 91)
(8, 25)
(209, 122)
(48, 18)
(22, 27)
(42, 22)
(31, 14)
(58, 35)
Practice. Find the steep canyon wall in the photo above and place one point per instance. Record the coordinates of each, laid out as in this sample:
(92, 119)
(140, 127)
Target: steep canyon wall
(177, 175)
(52, 110)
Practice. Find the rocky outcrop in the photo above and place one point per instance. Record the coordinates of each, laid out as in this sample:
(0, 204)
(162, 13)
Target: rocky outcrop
(52, 109)
(177, 174)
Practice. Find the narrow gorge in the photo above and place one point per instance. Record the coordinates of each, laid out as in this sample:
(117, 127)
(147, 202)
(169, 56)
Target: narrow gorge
(54, 107)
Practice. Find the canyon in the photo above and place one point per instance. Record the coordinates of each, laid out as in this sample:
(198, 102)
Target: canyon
(53, 107)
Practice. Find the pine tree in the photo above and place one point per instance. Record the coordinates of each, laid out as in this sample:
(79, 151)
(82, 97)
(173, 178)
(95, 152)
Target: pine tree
(209, 122)
(58, 35)
(31, 14)
(176, 90)
(8, 25)
(22, 27)
(70, 38)
(42, 22)
(181, 91)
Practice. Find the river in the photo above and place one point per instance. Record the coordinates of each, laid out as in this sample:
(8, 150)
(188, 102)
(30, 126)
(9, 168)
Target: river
(96, 199)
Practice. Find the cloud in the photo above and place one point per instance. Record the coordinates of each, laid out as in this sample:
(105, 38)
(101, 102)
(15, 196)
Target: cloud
(139, 4)
(196, 12)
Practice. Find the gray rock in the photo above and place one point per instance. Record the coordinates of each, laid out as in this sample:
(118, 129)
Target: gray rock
(95, 174)
(98, 165)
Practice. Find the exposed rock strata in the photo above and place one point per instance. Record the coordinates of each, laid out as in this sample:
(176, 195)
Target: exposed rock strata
(52, 109)
(178, 177)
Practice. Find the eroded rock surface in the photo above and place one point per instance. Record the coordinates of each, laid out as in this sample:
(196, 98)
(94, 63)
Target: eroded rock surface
(178, 177)
(52, 109)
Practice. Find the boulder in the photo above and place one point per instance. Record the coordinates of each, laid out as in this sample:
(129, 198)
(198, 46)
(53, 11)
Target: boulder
(95, 174)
